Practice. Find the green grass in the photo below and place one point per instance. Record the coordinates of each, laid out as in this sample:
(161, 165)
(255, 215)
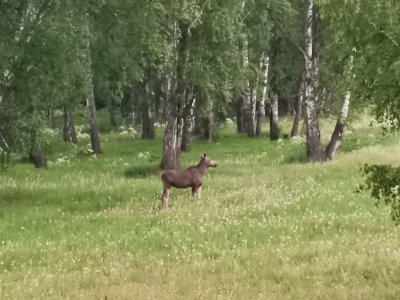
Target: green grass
(268, 225)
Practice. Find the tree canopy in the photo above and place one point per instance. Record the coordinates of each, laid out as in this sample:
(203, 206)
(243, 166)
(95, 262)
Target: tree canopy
(369, 31)
(145, 54)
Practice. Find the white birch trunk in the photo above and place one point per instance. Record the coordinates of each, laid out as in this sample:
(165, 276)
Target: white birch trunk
(315, 150)
(298, 110)
(90, 104)
(338, 133)
(274, 118)
(260, 107)
(249, 95)
(169, 159)
(264, 65)
(173, 130)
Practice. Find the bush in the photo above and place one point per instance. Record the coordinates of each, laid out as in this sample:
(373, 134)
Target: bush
(384, 181)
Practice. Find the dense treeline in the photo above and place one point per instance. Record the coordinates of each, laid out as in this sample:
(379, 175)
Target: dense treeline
(191, 65)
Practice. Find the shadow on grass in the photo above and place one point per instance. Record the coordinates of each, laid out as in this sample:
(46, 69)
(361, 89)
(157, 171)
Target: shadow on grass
(141, 170)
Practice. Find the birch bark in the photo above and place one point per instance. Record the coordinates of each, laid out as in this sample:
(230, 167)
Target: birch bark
(338, 133)
(88, 86)
(315, 150)
(69, 132)
(274, 118)
(170, 155)
(260, 108)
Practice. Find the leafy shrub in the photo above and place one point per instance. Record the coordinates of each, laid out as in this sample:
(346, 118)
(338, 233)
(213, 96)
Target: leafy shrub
(384, 183)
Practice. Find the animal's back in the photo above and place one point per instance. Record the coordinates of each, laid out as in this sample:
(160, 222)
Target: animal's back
(178, 179)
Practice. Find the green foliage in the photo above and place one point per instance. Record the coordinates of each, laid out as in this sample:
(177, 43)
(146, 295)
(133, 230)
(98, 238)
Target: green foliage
(287, 23)
(384, 183)
(39, 69)
(370, 32)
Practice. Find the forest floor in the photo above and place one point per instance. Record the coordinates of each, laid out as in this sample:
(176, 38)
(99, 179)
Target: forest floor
(269, 224)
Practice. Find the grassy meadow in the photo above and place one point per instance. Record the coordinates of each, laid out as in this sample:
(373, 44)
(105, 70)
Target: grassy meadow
(269, 225)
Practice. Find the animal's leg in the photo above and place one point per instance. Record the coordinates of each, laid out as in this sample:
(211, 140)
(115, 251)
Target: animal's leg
(194, 191)
(165, 198)
(198, 192)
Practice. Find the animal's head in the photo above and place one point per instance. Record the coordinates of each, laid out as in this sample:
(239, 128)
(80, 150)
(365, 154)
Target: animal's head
(208, 162)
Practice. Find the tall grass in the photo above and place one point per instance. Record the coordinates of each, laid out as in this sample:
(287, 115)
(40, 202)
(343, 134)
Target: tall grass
(269, 225)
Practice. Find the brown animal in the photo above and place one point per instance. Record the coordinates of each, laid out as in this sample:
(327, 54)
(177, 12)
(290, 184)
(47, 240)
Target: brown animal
(192, 177)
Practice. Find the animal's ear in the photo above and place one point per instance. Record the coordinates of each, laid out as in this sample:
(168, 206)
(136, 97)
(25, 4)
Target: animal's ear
(205, 155)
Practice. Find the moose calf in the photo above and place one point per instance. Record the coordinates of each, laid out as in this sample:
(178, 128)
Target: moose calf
(192, 177)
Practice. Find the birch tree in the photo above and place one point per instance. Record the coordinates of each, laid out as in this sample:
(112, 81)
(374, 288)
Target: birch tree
(202, 39)
(255, 61)
(314, 147)
(69, 132)
(89, 95)
(260, 109)
(372, 29)
(30, 80)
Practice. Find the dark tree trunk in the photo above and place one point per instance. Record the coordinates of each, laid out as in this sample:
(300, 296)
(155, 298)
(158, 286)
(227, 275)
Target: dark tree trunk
(170, 158)
(38, 159)
(127, 107)
(52, 119)
(211, 121)
(298, 112)
(251, 111)
(274, 118)
(148, 131)
(240, 114)
(188, 127)
(173, 131)
(111, 112)
(260, 113)
(175, 100)
(178, 145)
(69, 132)
(148, 115)
(315, 150)
(171, 145)
(90, 104)
(163, 107)
(66, 137)
(72, 131)
(248, 114)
